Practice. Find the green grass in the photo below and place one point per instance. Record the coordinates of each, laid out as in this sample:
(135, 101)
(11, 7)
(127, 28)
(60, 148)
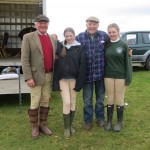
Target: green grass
(15, 129)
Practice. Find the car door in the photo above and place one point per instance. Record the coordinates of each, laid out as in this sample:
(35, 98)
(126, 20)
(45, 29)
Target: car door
(132, 40)
(144, 45)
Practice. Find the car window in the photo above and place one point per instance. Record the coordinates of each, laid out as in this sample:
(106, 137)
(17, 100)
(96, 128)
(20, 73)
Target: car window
(130, 39)
(146, 38)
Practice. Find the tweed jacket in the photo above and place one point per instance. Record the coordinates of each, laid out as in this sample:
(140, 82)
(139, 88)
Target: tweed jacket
(32, 60)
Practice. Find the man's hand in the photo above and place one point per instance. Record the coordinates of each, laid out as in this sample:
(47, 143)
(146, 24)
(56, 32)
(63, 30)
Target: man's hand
(30, 83)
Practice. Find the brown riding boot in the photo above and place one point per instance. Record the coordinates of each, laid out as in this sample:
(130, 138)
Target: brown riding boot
(33, 115)
(43, 119)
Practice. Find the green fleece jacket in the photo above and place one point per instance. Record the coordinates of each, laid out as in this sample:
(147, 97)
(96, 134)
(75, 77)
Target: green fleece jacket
(117, 61)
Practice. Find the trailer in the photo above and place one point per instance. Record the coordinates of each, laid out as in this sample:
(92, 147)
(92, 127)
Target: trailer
(15, 16)
(16, 19)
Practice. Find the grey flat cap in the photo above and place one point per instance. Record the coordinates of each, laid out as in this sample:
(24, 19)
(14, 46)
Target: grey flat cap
(92, 19)
(40, 18)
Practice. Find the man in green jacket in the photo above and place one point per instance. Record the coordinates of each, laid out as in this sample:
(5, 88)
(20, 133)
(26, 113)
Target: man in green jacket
(37, 56)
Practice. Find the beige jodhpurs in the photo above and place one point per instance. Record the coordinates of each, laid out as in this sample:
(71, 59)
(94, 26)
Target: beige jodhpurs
(40, 95)
(68, 95)
(115, 90)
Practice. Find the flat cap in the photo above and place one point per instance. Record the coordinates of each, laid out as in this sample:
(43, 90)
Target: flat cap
(40, 18)
(92, 19)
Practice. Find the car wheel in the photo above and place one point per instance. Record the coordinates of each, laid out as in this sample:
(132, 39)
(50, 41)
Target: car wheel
(147, 64)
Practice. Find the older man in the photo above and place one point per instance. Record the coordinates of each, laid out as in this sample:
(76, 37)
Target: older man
(37, 56)
(93, 42)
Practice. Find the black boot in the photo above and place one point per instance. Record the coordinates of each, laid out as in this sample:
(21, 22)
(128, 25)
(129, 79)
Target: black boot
(110, 109)
(118, 125)
(72, 130)
(66, 125)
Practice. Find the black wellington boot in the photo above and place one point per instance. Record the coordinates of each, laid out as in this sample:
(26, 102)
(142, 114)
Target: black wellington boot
(110, 109)
(118, 125)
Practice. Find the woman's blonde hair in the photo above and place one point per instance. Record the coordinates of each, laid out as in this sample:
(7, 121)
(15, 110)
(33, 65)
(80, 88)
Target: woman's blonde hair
(114, 25)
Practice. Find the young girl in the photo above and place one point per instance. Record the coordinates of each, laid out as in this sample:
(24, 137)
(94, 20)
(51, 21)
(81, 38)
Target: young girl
(70, 71)
(118, 75)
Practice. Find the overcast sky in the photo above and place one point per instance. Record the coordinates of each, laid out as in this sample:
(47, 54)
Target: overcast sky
(128, 14)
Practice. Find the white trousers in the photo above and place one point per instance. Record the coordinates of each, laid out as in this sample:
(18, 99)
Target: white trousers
(40, 95)
(115, 90)
(68, 95)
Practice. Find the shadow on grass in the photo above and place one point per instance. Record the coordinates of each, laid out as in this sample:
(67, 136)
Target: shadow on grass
(13, 99)
(138, 69)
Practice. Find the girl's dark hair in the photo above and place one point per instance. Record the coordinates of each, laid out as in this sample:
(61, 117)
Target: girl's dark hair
(107, 43)
(69, 29)
(63, 51)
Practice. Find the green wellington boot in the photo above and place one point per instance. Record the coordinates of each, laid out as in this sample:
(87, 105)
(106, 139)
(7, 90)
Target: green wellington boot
(66, 118)
(72, 130)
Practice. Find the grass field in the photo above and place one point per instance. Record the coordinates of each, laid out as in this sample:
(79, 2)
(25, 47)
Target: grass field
(15, 130)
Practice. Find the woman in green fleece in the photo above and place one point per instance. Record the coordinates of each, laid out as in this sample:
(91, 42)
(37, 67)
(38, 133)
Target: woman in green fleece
(118, 74)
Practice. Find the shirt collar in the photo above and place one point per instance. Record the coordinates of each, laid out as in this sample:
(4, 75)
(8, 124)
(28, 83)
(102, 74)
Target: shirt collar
(75, 43)
(41, 33)
(115, 40)
(96, 33)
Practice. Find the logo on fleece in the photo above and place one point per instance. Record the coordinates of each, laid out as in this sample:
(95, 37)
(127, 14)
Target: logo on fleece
(119, 49)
